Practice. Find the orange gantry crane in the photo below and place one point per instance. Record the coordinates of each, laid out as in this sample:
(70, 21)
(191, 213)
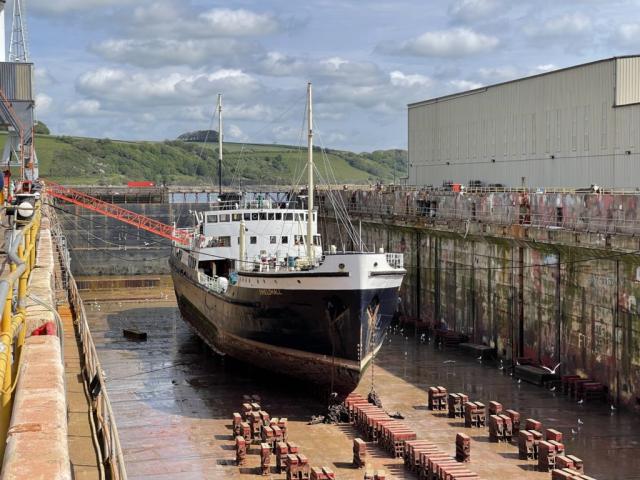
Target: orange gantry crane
(70, 195)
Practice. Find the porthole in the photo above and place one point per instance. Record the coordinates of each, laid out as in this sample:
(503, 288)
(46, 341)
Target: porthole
(299, 281)
(375, 264)
(341, 266)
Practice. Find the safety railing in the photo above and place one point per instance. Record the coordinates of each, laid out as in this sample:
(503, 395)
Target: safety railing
(110, 451)
(503, 215)
(20, 247)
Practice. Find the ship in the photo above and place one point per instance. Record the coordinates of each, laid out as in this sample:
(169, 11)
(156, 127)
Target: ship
(255, 283)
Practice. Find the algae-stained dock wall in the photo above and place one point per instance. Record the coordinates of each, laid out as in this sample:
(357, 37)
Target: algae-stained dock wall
(554, 277)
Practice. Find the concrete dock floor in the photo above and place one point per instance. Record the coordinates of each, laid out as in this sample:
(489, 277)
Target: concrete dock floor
(173, 401)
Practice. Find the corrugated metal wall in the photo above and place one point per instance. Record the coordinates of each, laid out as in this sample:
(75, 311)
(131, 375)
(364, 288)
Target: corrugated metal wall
(627, 80)
(554, 130)
(16, 80)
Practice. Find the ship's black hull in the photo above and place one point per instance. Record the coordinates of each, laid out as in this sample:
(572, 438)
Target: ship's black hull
(323, 336)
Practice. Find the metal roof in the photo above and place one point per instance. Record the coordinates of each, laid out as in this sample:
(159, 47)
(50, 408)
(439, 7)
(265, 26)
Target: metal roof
(452, 96)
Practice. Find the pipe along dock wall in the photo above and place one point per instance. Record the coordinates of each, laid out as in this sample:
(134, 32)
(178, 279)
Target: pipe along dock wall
(553, 277)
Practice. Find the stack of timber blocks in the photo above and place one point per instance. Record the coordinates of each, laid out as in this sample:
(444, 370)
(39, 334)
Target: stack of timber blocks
(429, 462)
(241, 451)
(376, 425)
(359, 453)
(463, 447)
(474, 414)
(437, 398)
(322, 473)
(456, 403)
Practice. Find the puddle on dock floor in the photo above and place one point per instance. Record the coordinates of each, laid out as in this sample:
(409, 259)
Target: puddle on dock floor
(173, 400)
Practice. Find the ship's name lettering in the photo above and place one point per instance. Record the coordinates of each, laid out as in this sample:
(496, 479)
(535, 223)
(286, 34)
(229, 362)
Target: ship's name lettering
(269, 292)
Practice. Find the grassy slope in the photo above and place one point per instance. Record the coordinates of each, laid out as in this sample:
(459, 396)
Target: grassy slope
(75, 160)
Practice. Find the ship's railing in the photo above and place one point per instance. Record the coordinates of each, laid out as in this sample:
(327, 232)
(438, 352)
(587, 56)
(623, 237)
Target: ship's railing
(216, 284)
(395, 260)
(110, 451)
(21, 258)
(505, 215)
(256, 205)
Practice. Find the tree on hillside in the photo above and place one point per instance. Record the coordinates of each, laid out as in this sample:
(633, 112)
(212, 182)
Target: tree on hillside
(41, 129)
(199, 136)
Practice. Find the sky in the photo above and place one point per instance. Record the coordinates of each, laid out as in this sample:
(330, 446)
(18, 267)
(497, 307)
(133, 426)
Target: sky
(152, 69)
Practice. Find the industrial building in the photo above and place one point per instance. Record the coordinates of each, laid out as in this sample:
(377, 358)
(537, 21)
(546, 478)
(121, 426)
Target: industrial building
(574, 127)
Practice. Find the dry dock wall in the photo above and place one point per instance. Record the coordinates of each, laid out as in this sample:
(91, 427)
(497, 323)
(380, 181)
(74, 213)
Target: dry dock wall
(104, 246)
(554, 277)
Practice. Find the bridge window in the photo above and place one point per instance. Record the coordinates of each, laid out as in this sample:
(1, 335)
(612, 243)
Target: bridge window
(285, 240)
(299, 239)
(273, 239)
(224, 218)
(316, 240)
(212, 218)
(253, 240)
(236, 217)
(271, 216)
(223, 242)
(288, 216)
(247, 216)
(278, 216)
(263, 216)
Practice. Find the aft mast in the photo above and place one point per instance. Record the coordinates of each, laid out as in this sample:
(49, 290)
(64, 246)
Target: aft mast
(310, 175)
(219, 143)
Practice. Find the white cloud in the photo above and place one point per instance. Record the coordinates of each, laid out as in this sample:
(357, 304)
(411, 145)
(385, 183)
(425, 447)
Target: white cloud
(472, 10)
(567, 25)
(456, 42)
(83, 108)
(159, 52)
(464, 85)
(59, 7)
(226, 22)
(234, 132)
(628, 34)
(126, 89)
(43, 103)
(399, 79)
(544, 68)
(43, 77)
(498, 74)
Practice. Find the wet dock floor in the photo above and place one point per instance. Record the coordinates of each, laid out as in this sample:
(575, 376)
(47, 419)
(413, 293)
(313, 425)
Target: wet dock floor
(173, 401)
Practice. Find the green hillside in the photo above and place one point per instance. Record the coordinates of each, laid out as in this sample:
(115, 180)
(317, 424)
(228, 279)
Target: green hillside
(76, 160)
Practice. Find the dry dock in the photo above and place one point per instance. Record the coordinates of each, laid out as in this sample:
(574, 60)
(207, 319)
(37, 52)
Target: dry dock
(173, 401)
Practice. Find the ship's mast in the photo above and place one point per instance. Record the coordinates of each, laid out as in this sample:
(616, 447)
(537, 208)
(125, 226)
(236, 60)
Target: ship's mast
(220, 143)
(310, 168)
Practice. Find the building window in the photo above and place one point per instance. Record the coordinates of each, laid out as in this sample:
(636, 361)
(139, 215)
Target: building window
(559, 216)
(212, 218)
(223, 242)
(273, 239)
(253, 240)
(285, 240)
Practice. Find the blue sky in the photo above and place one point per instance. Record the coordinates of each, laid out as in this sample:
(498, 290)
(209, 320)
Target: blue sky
(142, 69)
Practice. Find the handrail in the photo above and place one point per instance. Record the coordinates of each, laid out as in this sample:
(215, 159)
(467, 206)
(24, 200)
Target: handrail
(21, 257)
(110, 448)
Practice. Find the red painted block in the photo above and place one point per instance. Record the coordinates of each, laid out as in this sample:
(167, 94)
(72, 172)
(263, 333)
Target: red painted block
(515, 419)
(329, 473)
(579, 466)
(531, 424)
(563, 461)
(525, 445)
(495, 408)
